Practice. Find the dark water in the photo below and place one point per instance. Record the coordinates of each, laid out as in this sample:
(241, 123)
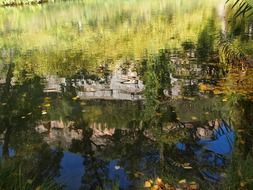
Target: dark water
(109, 94)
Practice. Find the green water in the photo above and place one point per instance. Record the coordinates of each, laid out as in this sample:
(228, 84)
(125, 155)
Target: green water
(90, 91)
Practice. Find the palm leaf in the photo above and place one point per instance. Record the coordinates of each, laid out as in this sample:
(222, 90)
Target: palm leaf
(242, 7)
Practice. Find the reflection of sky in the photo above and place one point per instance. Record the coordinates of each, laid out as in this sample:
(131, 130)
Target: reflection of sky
(119, 174)
(73, 167)
(71, 171)
(11, 151)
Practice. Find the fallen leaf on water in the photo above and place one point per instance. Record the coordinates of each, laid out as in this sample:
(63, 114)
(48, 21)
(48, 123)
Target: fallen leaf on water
(194, 118)
(147, 184)
(194, 186)
(155, 187)
(29, 113)
(158, 181)
(75, 98)
(43, 112)
(138, 174)
(47, 105)
(217, 92)
(38, 188)
(202, 87)
(182, 181)
(3, 104)
(23, 117)
(187, 167)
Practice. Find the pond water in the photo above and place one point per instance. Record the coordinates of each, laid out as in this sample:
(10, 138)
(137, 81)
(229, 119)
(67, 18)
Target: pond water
(106, 94)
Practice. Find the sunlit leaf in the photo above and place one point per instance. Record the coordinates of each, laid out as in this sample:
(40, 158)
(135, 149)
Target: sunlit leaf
(202, 87)
(155, 187)
(158, 181)
(75, 98)
(182, 181)
(44, 112)
(47, 105)
(147, 184)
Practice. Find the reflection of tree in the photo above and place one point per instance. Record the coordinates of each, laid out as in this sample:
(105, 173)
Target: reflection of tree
(239, 111)
(205, 45)
(20, 110)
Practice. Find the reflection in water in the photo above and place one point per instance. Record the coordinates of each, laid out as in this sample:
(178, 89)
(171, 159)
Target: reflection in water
(112, 94)
(213, 149)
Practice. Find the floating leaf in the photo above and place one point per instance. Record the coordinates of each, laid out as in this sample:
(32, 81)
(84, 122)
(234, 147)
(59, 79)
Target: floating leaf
(182, 181)
(47, 105)
(44, 112)
(75, 98)
(202, 87)
(147, 184)
(225, 100)
(194, 118)
(187, 167)
(4, 104)
(155, 187)
(158, 181)
(23, 117)
(217, 92)
(138, 174)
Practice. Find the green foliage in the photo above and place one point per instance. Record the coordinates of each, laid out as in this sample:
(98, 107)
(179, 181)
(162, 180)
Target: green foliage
(6, 3)
(12, 178)
(242, 7)
(61, 38)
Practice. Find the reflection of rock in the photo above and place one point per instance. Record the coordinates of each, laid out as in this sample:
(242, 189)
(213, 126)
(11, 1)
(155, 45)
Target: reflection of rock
(59, 133)
(53, 84)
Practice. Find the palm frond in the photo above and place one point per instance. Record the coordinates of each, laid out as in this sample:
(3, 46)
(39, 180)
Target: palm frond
(242, 7)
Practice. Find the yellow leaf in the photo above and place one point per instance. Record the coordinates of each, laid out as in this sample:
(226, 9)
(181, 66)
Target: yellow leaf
(155, 187)
(202, 87)
(47, 105)
(182, 181)
(75, 98)
(158, 181)
(187, 167)
(147, 184)
(242, 184)
(217, 92)
(44, 112)
(194, 118)
(225, 100)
